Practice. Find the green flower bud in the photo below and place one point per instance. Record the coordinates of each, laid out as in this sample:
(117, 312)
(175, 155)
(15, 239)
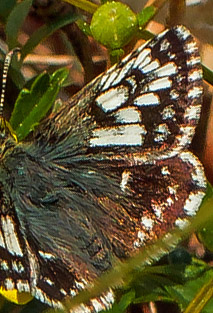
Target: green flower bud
(113, 24)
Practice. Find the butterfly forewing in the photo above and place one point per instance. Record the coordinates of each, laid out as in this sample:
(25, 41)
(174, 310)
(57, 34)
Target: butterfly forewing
(152, 99)
(105, 174)
(149, 104)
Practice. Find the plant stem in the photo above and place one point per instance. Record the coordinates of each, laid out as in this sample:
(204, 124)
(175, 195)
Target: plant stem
(202, 297)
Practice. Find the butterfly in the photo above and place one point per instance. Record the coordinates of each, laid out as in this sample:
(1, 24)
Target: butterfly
(105, 174)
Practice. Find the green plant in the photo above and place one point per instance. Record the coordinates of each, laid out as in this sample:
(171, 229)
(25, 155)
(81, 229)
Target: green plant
(184, 284)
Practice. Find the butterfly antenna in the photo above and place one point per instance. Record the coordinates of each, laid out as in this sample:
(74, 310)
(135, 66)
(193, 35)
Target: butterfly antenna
(7, 62)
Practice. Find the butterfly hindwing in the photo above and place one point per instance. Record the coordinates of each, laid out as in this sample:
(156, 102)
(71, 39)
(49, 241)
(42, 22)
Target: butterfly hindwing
(162, 197)
(14, 263)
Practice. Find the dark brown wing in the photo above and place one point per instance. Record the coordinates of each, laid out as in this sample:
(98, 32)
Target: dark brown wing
(105, 174)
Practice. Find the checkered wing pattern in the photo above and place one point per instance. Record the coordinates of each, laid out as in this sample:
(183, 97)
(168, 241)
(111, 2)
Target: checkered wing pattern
(108, 172)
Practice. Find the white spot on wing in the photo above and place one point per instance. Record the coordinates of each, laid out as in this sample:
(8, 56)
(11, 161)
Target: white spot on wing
(79, 285)
(133, 83)
(193, 61)
(124, 180)
(63, 291)
(147, 222)
(192, 112)
(161, 83)
(112, 99)
(48, 281)
(4, 266)
(2, 244)
(181, 223)
(193, 203)
(165, 171)
(124, 72)
(162, 133)
(195, 75)
(169, 201)
(147, 99)
(164, 45)
(186, 133)
(40, 295)
(191, 47)
(136, 244)
(109, 297)
(174, 94)
(173, 189)
(157, 210)
(23, 286)
(46, 255)
(182, 32)
(128, 115)
(141, 237)
(168, 113)
(17, 266)
(34, 267)
(126, 135)
(143, 58)
(110, 80)
(167, 70)
(151, 67)
(103, 79)
(198, 172)
(103, 300)
(9, 284)
(97, 305)
(195, 92)
(10, 235)
(162, 34)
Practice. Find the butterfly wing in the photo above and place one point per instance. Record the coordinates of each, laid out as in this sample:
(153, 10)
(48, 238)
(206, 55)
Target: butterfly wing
(109, 161)
(147, 105)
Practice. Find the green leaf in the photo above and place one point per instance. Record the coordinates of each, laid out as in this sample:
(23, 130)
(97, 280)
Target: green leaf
(123, 304)
(116, 55)
(146, 15)
(150, 284)
(206, 233)
(202, 297)
(184, 294)
(32, 105)
(85, 5)
(15, 21)
(208, 75)
(5, 8)
(27, 99)
(45, 31)
(105, 1)
(84, 27)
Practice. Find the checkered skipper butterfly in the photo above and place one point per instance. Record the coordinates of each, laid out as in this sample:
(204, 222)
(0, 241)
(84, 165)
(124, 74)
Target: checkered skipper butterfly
(105, 174)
